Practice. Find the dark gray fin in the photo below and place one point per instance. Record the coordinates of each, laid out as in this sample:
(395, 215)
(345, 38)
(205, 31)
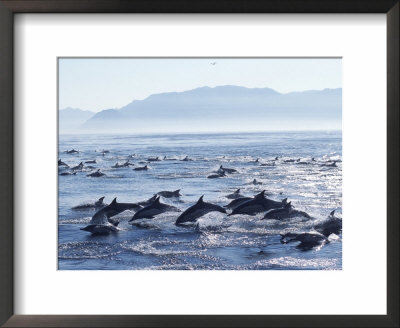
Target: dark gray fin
(284, 201)
(221, 167)
(114, 201)
(237, 191)
(100, 201)
(332, 213)
(157, 200)
(74, 173)
(176, 192)
(200, 200)
(260, 195)
(288, 205)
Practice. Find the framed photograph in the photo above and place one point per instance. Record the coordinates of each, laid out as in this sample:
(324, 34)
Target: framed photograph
(217, 164)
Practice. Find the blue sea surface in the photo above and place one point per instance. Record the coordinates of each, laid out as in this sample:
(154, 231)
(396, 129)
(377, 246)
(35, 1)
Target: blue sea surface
(216, 241)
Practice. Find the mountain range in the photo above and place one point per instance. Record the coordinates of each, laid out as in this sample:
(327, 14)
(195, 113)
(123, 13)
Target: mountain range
(222, 108)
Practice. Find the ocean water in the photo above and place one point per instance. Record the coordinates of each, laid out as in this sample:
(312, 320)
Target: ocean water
(216, 241)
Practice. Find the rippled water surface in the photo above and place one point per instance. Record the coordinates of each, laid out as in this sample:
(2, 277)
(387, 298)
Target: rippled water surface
(217, 241)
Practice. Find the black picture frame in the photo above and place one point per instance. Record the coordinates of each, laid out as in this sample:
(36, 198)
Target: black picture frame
(10, 7)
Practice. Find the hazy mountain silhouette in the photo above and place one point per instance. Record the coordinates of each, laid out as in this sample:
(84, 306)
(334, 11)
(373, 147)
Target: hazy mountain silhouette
(223, 108)
(72, 118)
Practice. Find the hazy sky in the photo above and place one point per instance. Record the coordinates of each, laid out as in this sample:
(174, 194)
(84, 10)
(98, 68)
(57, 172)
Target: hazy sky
(97, 84)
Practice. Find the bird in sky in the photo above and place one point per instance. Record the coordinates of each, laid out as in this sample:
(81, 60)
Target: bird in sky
(213, 63)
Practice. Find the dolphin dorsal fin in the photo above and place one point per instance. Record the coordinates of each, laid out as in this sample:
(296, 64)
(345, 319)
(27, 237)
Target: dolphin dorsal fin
(261, 194)
(101, 199)
(237, 191)
(157, 200)
(284, 201)
(177, 191)
(221, 167)
(114, 201)
(332, 213)
(200, 200)
(288, 205)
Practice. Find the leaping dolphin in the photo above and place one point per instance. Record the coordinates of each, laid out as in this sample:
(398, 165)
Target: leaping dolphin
(96, 174)
(198, 210)
(227, 170)
(236, 202)
(235, 195)
(308, 240)
(61, 163)
(257, 205)
(331, 225)
(155, 208)
(285, 212)
(78, 167)
(148, 201)
(72, 151)
(170, 194)
(101, 223)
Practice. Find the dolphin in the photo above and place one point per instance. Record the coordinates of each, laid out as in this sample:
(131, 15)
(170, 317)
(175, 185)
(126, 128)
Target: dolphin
(217, 175)
(227, 170)
(101, 222)
(126, 164)
(169, 159)
(268, 164)
(148, 201)
(170, 194)
(97, 204)
(256, 161)
(199, 209)
(285, 212)
(96, 174)
(186, 159)
(331, 225)
(255, 182)
(308, 240)
(72, 151)
(141, 168)
(61, 163)
(68, 173)
(333, 164)
(153, 159)
(111, 210)
(236, 202)
(236, 194)
(257, 205)
(288, 160)
(78, 167)
(155, 208)
(92, 161)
